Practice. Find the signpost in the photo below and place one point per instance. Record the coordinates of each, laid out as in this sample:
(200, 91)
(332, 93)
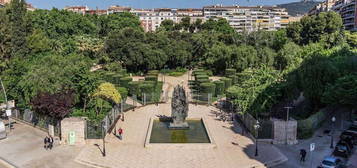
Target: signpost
(312, 148)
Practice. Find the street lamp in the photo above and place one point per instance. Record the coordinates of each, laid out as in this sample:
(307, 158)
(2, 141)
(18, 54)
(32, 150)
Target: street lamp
(8, 111)
(333, 119)
(256, 126)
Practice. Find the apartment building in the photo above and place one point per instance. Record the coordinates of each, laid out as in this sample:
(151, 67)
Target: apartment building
(324, 6)
(77, 9)
(243, 18)
(348, 11)
(118, 9)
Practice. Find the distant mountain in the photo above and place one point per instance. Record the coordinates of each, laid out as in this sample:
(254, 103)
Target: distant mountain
(299, 8)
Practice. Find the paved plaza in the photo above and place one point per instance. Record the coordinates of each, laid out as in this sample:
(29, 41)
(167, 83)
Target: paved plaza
(24, 148)
(232, 151)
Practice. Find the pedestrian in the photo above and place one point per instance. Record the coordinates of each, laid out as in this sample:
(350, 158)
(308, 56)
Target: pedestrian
(302, 155)
(45, 143)
(120, 131)
(122, 117)
(50, 142)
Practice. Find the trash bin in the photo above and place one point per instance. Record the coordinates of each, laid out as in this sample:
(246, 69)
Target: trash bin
(2, 130)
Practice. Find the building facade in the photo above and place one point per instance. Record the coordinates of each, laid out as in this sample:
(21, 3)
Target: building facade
(249, 19)
(241, 18)
(324, 6)
(348, 11)
(77, 9)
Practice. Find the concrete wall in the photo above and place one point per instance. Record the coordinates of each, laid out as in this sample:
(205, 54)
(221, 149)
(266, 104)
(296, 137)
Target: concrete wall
(76, 124)
(284, 131)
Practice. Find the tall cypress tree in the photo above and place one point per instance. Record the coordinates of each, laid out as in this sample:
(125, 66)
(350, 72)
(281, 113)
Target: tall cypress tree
(17, 13)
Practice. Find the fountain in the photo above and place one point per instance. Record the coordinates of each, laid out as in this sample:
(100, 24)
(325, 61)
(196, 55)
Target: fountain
(177, 129)
(179, 109)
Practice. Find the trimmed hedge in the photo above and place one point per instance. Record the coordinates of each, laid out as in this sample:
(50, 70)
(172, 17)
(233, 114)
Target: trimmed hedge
(234, 79)
(116, 78)
(151, 78)
(146, 87)
(198, 77)
(206, 89)
(230, 72)
(123, 92)
(124, 81)
(219, 87)
(134, 88)
(153, 73)
(227, 82)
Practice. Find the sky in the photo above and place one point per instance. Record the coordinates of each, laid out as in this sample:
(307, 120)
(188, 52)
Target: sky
(104, 4)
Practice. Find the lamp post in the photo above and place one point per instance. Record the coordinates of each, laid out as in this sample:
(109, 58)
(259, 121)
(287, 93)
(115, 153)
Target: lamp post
(256, 126)
(7, 104)
(333, 119)
(286, 123)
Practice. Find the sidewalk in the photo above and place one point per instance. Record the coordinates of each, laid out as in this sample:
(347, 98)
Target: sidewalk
(232, 151)
(322, 145)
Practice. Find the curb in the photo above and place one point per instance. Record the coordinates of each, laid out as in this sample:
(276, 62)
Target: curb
(6, 163)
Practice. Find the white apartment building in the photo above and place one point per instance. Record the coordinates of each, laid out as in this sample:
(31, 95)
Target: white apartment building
(348, 11)
(249, 19)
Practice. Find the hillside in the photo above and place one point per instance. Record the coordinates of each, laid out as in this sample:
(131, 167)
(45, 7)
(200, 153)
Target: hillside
(298, 8)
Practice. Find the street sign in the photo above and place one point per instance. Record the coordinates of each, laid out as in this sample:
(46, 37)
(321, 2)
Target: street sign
(8, 113)
(312, 147)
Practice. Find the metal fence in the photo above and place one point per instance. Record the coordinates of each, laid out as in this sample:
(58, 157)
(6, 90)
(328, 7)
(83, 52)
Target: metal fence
(265, 130)
(36, 120)
(96, 130)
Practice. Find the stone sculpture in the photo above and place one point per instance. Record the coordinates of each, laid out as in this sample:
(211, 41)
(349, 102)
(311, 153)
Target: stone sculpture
(179, 109)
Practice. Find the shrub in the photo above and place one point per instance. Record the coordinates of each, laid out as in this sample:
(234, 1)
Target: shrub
(227, 82)
(146, 87)
(230, 72)
(124, 81)
(219, 87)
(134, 88)
(123, 92)
(234, 79)
(151, 78)
(207, 88)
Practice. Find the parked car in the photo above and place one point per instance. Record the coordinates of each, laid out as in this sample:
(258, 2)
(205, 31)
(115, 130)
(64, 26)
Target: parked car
(345, 135)
(332, 162)
(342, 150)
(346, 142)
(353, 129)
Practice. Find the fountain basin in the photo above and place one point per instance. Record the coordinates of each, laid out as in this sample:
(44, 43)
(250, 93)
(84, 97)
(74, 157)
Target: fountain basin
(196, 136)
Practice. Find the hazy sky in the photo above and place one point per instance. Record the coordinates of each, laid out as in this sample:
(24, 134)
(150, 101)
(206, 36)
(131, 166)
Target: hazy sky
(103, 4)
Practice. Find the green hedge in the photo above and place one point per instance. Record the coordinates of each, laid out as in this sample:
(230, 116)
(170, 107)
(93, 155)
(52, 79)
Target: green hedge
(197, 77)
(134, 88)
(151, 78)
(306, 128)
(116, 78)
(153, 73)
(146, 87)
(234, 79)
(230, 72)
(123, 92)
(206, 89)
(219, 87)
(124, 82)
(227, 82)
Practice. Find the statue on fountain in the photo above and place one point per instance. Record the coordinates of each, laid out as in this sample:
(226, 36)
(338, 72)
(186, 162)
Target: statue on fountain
(179, 109)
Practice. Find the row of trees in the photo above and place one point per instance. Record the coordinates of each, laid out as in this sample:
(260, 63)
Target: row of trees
(52, 51)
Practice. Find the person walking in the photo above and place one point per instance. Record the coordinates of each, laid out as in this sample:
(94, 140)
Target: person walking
(50, 139)
(302, 155)
(45, 141)
(120, 131)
